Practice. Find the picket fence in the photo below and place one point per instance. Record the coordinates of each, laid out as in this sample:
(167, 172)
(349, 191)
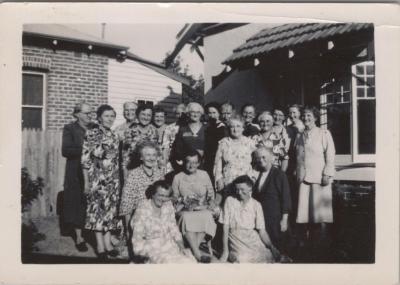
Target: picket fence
(41, 155)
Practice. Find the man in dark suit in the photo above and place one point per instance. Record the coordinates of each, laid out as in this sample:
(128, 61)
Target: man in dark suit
(272, 191)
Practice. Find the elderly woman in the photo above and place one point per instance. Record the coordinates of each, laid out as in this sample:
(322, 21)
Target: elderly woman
(269, 138)
(233, 157)
(74, 213)
(138, 132)
(156, 236)
(195, 194)
(315, 169)
(189, 137)
(215, 131)
(101, 176)
(245, 239)
(139, 179)
(248, 112)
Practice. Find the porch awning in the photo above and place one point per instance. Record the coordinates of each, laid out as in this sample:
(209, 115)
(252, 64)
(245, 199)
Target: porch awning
(291, 35)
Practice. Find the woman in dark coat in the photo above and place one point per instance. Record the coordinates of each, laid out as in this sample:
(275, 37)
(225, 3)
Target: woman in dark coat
(74, 210)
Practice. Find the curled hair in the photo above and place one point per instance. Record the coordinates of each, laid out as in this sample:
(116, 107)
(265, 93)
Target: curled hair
(236, 118)
(152, 189)
(264, 113)
(227, 103)
(194, 105)
(143, 107)
(159, 109)
(78, 108)
(297, 106)
(243, 179)
(314, 110)
(254, 155)
(248, 105)
(134, 157)
(214, 105)
(104, 108)
(192, 153)
(130, 102)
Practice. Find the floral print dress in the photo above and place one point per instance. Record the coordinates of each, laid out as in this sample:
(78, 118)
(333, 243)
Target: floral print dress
(155, 237)
(134, 135)
(100, 159)
(278, 142)
(135, 187)
(233, 158)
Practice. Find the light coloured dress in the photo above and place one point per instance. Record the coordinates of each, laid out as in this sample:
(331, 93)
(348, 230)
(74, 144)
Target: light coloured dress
(155, 237)
(279, 144)
(196, 186)
(100, 159)
(245, 244)
(233, 158)
(134, 190)
(315, 151)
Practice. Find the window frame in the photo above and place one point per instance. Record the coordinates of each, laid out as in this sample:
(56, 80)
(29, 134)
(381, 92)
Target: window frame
(43, 106)
(356, 156)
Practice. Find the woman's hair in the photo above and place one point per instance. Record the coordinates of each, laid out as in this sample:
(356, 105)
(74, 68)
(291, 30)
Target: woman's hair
(297, 106)
(158, 109)
(104, 108)
(192, 153)
(214, 105)
(254, 155)
(313, 110)
(134, 156)
(143, 107)
(243, 179)
(195, 106)
(152, 189)
(248, 105)
(78, 108)
(227, 103)
(234, 118)
(264, 113)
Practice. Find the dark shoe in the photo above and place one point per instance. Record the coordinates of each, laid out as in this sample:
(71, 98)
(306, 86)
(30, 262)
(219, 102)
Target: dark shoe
(102, 256)
(112, 253)
(81, 247)
(205, 259)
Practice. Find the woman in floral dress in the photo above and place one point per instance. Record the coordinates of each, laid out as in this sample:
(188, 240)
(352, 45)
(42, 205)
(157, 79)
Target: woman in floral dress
(156, 236)
(101, 176)
(278, 142)
(136, 133)
(233, 157)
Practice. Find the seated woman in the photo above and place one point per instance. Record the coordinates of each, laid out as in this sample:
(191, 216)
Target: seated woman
(194, 193)
(245, 239)
(156, 236)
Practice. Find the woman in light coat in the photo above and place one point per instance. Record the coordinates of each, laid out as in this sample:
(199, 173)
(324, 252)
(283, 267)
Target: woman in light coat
(315, 151)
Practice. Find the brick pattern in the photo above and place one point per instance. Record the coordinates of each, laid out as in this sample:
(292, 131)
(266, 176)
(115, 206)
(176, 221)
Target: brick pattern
(41, 62)
(72, 77)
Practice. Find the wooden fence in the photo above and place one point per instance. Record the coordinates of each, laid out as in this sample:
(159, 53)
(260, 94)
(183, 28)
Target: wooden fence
(41, 155)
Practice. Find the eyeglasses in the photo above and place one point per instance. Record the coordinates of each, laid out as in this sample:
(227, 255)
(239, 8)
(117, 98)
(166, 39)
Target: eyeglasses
(87, 113)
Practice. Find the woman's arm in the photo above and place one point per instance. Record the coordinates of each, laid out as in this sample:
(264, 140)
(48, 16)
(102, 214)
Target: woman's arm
(267, 241)
(218, 167)
(329, 154)
(138, 221)
(69, 148)
(86, 186)
(225, 240)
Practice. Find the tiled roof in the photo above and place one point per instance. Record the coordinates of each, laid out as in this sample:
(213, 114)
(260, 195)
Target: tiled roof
(65, 33)
(290, 35)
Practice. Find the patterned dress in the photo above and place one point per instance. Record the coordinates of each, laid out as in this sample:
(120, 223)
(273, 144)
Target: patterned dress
(134, 190)
(167, 142)
(134, 135)
(233, 158)
(155, 237)
(245, 244)
(278, 142)
(100, 159)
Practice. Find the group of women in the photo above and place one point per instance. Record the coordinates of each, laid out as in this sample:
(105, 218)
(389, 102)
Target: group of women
(172, 187)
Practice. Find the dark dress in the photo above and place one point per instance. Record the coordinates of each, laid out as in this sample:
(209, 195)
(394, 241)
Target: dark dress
(275, 200)
(74, 200)
(250, 130)
(186, 141)
(214, 132)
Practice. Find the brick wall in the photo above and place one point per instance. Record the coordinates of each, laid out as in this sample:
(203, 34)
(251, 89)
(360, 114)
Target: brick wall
(72, 77)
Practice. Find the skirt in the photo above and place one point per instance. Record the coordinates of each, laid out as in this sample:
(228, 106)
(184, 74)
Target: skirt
(315, 204)
(197, 221)
(245, 246)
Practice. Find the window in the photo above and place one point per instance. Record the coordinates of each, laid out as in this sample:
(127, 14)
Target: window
(33, 100)
(364, 111)
(146, 103)
(348, 111)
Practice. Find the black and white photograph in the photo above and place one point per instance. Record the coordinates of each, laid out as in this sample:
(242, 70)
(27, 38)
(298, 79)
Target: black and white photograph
(205, 143)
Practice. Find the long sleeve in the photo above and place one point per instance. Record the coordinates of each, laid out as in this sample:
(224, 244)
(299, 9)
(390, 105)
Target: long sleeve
(70, 148)
(329, 153)
(86, 159)
(139, 244)
(210, 189)
(286, 202)
(175, 186)
(218, 166)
